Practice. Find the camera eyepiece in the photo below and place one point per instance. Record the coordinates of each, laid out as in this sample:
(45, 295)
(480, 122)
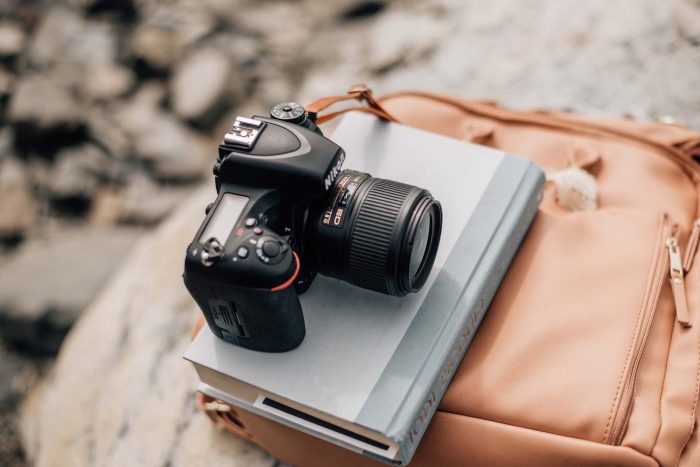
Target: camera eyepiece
(377, 234)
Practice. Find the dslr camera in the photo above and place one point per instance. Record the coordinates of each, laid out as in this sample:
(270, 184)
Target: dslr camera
(286, 211)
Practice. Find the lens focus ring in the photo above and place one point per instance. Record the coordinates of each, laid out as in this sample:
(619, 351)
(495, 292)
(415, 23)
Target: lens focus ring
(373, 234)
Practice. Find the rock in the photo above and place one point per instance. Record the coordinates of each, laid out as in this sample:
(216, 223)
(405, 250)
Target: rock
(45, 113)
(64, 37)
(48, 282)
(201, 87)
(142, 202)
(126, 9)
(687, 17)
(401, 38)
(104, 130)
(165, 33)
(5, 83)
(157, 47)
(17, 374)
(171, 150)
(11, 40)
(140, 392)
(77, 174)
(147, 203)
(345, 10)
(108, 81)
(6, 142)
(17, 206)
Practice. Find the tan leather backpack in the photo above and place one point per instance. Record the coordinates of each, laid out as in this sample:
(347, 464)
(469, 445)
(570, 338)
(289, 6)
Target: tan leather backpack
(590, 352)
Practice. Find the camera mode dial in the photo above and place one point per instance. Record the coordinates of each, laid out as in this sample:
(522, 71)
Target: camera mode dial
(288, 112)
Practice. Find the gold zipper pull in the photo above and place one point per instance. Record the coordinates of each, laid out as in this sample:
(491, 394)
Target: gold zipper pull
(677, 283)
(693, 242)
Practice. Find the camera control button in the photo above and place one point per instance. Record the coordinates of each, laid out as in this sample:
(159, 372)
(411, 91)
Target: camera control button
(250, 222)
(258, 231)
(271, 248)
(242, 252)
(284, 247)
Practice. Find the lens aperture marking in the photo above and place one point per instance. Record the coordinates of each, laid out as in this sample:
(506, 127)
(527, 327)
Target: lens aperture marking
(345, 188)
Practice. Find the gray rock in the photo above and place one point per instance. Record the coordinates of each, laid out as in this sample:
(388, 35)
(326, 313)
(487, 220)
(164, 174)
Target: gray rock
(687, 16)
(48, 282)
(401, 38)
(126, 9)
(17, 206)
(345, 9)
(12, 40)
(17, 374)
(141, 202)
(104, 130)
(171, 150)
(78, 172)
(5, 82)
(144, 202)
(157, 47)
(108, 81)
(41, 108)
(65, 37)
(165, 33)
(201, 86)
(140, 392)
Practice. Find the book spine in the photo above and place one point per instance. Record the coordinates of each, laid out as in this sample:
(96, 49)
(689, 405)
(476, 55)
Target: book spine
(408, 428)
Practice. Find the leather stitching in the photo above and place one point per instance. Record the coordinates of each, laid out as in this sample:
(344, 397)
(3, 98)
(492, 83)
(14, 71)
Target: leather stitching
(652, 269)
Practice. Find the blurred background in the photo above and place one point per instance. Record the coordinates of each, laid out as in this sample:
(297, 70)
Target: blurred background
(111, 111)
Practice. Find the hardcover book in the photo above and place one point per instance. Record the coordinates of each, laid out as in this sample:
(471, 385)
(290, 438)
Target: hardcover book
(372, 369)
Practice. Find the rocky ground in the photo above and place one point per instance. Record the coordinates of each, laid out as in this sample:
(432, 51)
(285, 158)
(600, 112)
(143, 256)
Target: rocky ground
(110, 114)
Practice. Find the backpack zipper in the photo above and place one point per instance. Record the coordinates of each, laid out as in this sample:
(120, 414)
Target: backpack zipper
(669, 263)
(661, 270)
(677, 281)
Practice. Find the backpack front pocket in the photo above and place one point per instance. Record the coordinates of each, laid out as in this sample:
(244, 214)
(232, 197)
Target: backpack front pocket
(560, 348)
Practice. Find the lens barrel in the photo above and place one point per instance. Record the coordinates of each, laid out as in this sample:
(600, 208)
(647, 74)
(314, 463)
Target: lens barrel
(377, 234)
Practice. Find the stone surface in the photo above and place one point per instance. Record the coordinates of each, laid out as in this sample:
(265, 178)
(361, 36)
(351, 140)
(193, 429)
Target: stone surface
(77, 174)
(46, 284)
(145, 202)
(5, 82)
(201, 87)
(108, 81)
(615, 58)
(44, 112)
(63, 36)
(156, 46)
(17, 206)
(17, 374)
(140, 391)
(687, 16)
(165, 32)
(12, 40)
(171, 150)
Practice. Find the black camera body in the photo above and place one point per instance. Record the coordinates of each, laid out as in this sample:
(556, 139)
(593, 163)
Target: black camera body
(286, 211)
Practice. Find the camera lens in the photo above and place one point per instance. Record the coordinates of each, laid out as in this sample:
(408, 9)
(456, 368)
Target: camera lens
(377, 234)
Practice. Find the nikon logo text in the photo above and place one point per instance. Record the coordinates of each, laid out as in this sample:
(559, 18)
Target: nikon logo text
(335, 170)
